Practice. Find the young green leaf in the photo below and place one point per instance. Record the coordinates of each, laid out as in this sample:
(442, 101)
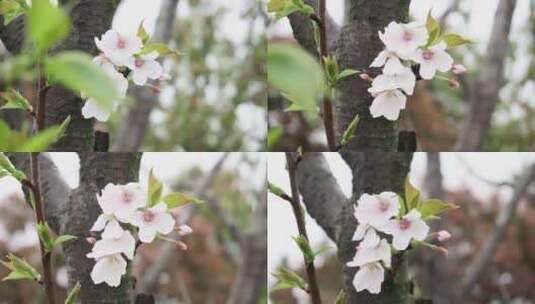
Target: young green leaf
(63, 239)
(287, 279)
(142, 33)
(433, 28)
(349, 133)
(295, 72)
(72, 298)
(11, 9)
(402, 206)
(433, 207)
(276, 5)
(44, 139)
(155, 189)
(307, 251)
(7, 168)
(341, 297)
(177, 199)
(453, 40)
(275, 190)
(412, 195)
(46, 24)
(273, 137)
(346, 73)
(46, 236)
(161, 48)
(15, 100)
(76, 71)
(20, 269)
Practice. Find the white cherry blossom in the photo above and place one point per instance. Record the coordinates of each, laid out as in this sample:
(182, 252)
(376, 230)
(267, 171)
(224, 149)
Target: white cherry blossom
(122, 201)
(380, 252)
(376, 209)
(389, 60)
(118, 47)
(433, 59)
(108, 246)
(367, 234)
(369, 277)
(404, 39)
(398, 78)
(410, 226)
(110, 225)
(388, 104)
(153, 221)
(144, 67)
(109, 269)
(92, 108)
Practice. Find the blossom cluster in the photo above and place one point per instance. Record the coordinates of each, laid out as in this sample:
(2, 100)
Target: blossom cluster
(120, 51)
(405, 44)
(381, 213)
(125, 210)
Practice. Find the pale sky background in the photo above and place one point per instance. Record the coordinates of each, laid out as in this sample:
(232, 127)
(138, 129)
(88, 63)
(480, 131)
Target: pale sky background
(281, 223)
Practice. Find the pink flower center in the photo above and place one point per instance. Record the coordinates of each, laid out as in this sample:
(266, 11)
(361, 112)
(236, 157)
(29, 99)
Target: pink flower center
(139, 62)
(383, 205)
(427, 55)
(127, 197)
(407, 36)
(121, 44)
(404, 224)
(148, 216)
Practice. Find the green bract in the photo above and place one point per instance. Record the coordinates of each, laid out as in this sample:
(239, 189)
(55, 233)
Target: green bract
(46, 24)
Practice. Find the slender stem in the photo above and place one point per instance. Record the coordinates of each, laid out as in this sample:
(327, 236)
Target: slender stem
(328, 112)
(46, 260)
(300, 219)
(41, 99)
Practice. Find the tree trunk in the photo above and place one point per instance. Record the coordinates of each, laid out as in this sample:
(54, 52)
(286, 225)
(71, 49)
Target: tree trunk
(90, 19)
(357, 47)
(96, 170)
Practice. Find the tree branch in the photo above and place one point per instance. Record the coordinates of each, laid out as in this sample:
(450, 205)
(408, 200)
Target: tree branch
(135, 122)
(484, 94)
(322, 196)
(291, 160)
(479, 264)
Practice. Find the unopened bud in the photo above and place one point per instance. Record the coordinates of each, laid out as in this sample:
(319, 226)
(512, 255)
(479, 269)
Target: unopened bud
(184, 230)
(91, 240)
(454, 84)
(458, 69)
(443, 235)
(182, 245)
(443, 251)
(366, 77)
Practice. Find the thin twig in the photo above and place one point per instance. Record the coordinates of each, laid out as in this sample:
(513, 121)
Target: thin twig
(40, 215)
(300, 219)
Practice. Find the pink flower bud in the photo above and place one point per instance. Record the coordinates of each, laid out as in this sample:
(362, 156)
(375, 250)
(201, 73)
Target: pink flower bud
(454, 84)
(184, 230)
(458, 69)
(444, 235)
(366, 77)
(91, 240)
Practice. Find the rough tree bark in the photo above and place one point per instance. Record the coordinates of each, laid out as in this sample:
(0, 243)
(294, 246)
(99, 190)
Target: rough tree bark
(96, 170)
(134, 126)
(484, 93)
(372, 173)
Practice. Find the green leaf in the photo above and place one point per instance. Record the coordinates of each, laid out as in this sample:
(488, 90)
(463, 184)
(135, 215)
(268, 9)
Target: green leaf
(402, 206)
(15, 100)
(349, 133)
(276, 5)
(72, 298)
(305, 248)
(20, 269)
(341, 297)
(283, 8)
(76, 71)
(433, 28)
(453, 40)
(287, 279)
(63, 239)
(46, 236)
(46, 24)
(44, 139)
(177, 199)
(142, 33)
(295, 72)
(155, 189)
(433, 207)
(11, 9)
(7, 168)
(275, 190)
(346, 73)
(412, 195)
(161, 48)
(273, 137)
(431, 24)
